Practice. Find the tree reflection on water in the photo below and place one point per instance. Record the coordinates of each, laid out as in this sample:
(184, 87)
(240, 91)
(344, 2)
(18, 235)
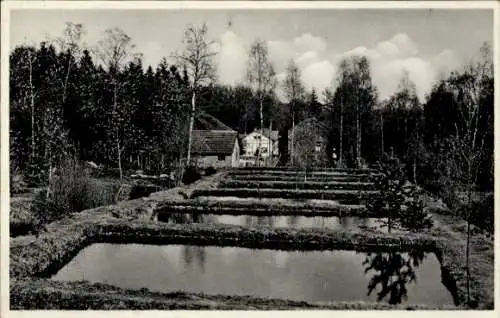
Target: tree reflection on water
(194, 253)
(186, 218)
(392, 272)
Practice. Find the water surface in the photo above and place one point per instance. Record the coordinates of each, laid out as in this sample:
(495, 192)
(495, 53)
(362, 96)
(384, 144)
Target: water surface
(298, 222)
(311, 276)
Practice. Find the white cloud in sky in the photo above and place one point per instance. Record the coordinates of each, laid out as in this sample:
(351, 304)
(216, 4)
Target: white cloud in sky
(318, 63)
(231, 59)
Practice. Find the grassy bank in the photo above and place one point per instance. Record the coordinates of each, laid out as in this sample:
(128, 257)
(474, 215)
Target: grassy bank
(43, 294)
(297, 178)
(348, 195)
(308, 185)
(266, 208)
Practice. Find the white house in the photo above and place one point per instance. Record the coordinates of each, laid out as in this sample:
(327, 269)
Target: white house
(260, 140)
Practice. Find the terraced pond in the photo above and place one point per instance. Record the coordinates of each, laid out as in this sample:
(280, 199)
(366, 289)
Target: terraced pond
(312, 276)
(336, 223)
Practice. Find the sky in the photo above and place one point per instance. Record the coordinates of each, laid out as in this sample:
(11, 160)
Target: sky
(426, 43)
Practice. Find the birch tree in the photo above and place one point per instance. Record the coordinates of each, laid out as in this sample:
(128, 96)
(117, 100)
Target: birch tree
(114, 50)
(261, 77)
(197, 60)
(294, 91)
(70, 43)
(468, 142)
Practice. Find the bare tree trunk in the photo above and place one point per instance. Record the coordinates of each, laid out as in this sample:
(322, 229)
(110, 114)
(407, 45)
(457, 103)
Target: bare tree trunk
(49, 177)
(406, 128)
(270, 151)
(341, 135)
(66, 80)
(261, 130)
(468, 245)
(415, 170)
(191, 124)
(382, 131)
(358, 139)
(32, 104)
(118, 148)
(293, 132)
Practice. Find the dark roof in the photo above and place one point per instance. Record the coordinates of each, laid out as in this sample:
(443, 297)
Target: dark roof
(213, 142)
(205, 121)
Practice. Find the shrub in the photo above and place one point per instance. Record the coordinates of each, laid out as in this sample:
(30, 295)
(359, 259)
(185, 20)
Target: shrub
(482, 213)
(191, 175)
(71, 190)
(210, 171)
(17, 183)
(400, 200)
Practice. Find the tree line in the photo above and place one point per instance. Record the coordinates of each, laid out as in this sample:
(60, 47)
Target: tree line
(103, 105)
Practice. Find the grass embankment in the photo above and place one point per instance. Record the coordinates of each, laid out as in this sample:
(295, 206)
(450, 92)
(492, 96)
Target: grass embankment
(265, 208)
(452, 255)
(22, 220)
(293, 178)
(343, 195)
(308, 185)
(43, 294)
(280, 170)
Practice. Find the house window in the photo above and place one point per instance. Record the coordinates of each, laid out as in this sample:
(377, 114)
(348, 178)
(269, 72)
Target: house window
(221, 158)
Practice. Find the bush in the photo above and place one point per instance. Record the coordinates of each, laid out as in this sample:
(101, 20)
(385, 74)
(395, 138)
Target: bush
(17, 183)
(482, 213)
(71, 190)
(400, 200)
(191, 175)
(210, 171)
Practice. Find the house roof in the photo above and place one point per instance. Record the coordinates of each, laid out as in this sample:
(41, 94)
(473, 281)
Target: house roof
(213, 142)
(265, 133)
(205, 121)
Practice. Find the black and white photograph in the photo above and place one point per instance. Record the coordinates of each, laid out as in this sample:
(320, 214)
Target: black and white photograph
(254, 156)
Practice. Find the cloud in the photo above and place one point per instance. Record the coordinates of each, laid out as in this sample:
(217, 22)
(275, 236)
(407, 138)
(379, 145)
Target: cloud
(318, 75)
(318, 63)
(389, 58)
(308, 42)
(231, 59)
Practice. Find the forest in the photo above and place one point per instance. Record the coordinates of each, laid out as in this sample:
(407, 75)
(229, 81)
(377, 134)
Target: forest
(103, 105)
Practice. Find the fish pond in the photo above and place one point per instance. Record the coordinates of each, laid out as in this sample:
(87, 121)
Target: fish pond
(317, 276)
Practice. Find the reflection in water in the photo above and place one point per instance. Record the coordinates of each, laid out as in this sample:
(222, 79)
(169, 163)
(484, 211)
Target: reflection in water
(293, 221)
(311, 275)
(392, 272)
(193, 254)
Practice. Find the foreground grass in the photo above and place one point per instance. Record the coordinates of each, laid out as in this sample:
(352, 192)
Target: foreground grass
(43, 294)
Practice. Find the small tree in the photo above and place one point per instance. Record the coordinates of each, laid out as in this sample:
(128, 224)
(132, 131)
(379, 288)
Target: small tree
(197, 60)
(294, 91)
(398, 199)
(468, 142)
(261, 76)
